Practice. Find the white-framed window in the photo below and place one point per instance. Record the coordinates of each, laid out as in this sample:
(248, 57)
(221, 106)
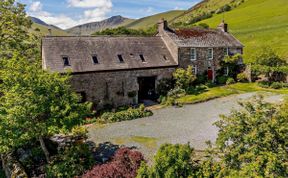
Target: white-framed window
(210, 53)
(193, 55)
(194, 69)
(226, 51)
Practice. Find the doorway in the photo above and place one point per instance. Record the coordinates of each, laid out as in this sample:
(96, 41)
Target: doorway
(147, 89)
(210, 74)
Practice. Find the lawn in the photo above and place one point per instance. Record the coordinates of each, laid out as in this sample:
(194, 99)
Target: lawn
(222, 91)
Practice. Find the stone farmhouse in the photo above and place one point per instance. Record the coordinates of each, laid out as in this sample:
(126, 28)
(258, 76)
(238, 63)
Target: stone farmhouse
(125, 70)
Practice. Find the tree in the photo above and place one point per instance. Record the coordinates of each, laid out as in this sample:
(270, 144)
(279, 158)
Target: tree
(35, 104)
(253, 141)
(170, 161)
(269, 63)
(14, 31)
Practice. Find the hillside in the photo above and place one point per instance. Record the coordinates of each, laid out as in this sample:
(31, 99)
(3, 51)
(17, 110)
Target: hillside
(150, 21)
(257, 23)
(38, 24)
(89, 28)
(205, 9)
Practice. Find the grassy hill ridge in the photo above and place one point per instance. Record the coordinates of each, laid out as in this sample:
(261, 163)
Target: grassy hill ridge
(258, 23)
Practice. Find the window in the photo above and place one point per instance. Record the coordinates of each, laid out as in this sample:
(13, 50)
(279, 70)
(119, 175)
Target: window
(194, 70)
(120, 58)
(193, 54)
(66, 61)
(142, 58)
(95, 59)
(165, 58)
(210, 53)
(226, 51)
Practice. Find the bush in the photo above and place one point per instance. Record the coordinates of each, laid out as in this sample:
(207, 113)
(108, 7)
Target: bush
(73, 161)
(242, 77)
(230, 81)
(203, 25)
(276, 85)
(129, 114)
(222, 79)
(170, 161)
(125, 163)
(183, 78)
(264, 84)
(164, 86)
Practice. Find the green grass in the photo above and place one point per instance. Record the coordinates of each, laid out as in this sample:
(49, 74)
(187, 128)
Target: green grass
(44, 30)
(150, 21)
(148, 142)
(258, 23)
(222, 91)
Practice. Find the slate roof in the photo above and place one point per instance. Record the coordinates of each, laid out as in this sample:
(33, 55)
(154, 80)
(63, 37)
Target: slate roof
(199, 37)
(80, 51)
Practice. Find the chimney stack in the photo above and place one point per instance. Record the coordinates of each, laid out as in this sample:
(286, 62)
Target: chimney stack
(223, 26)
(49, 32)
(162, 25)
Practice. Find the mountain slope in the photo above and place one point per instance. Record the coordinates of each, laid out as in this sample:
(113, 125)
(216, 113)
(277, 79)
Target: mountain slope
(42, 27)
(88, 29)
(257, 23)
(150, 21)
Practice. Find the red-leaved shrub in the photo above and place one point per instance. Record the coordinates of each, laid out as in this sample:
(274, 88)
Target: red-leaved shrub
(125, 163)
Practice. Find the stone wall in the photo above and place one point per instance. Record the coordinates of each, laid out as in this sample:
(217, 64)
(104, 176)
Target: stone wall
(112, 87)
(202, 62)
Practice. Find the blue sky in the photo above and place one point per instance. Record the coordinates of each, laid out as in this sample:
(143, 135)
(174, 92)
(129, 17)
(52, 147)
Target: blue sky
(68, 13)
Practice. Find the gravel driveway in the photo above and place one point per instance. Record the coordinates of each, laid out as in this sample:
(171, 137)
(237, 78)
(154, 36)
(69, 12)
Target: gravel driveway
(191, 123)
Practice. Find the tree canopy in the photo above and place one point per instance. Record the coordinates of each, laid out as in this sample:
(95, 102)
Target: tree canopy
(14, 31)
(126, 31)
(35, 103)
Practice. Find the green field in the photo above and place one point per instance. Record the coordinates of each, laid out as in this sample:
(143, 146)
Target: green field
(257, 23)
(150, 21)
(44, 30)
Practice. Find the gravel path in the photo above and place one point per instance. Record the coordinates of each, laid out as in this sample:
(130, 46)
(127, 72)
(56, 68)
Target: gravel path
(191, 123)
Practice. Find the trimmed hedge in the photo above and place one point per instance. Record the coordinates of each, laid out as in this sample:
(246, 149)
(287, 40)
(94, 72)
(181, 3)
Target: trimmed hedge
(125, 115)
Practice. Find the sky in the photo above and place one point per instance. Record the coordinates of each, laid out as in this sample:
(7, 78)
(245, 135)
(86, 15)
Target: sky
(68, 13)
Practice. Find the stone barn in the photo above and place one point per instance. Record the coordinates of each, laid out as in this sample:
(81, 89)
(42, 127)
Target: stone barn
(125, 70)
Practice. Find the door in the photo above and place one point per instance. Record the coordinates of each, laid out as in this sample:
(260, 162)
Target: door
(146, 88)
(210, 74)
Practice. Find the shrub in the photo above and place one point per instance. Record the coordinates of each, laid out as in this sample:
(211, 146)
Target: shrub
(125, 163)
(222, 79)
(164, 86)
(170, 161)
(203, 25)
(230, 81)
(201, 79)
(71, 162)
(129, 114)
(242, 77)
(276, 85)
(264, 84)
(183, 78)
(253, 140)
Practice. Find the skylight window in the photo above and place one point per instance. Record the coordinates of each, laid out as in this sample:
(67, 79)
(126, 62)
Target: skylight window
(95, 59)
(66, 61)
(142, 58)
(120, 57)
(165, 57)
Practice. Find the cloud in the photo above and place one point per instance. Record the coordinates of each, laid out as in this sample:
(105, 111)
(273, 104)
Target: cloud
(97, 13)
(35, 6)
(90, 3)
